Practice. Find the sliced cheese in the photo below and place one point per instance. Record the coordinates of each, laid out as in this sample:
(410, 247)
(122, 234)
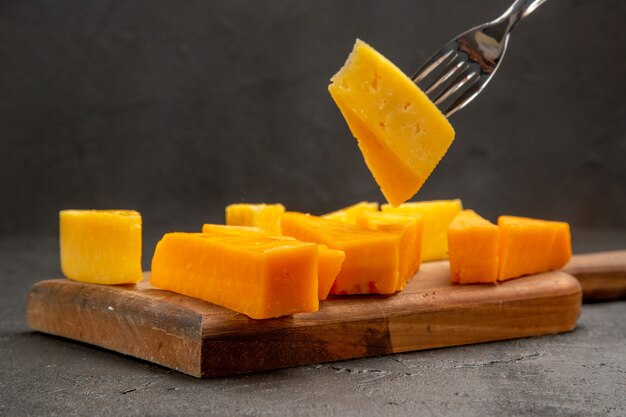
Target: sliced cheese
(437, 217)
(329, 260)
(473, 248)
(529, 246)
(328, 266)
(264, 216)
(258, 276)
(401, 133)
(409, 229)
(371, 257)
(101, 246)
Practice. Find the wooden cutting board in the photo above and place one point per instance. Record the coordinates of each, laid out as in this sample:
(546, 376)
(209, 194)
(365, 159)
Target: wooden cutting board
(205, 340)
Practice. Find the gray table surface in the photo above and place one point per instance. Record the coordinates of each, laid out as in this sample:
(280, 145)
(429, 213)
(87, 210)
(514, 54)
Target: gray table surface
(581, 373)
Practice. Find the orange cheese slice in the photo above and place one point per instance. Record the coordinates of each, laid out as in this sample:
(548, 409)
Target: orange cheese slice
(401, 133)
(473, 248)
(329, 260)
(529, 246)
(328, 267)
(101, 246)
(409, 230)
(371, 257)
(258, 276)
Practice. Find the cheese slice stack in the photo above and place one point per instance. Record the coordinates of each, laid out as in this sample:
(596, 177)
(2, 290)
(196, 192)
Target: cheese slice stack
(328, 260)
(401, 133)
(371, 262)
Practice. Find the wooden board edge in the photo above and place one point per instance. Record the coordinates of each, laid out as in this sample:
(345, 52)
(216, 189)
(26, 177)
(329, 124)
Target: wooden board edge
(602, 275)
(602, 288)
(544, 314)
(557, 313)
(56, 308)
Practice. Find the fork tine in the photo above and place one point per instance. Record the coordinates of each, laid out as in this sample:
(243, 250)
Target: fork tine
(433, 62)
(461, 80)
(454, 68)
(466, 97)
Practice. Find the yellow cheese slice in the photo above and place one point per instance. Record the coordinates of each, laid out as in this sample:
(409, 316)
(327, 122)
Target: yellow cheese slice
(264, 216)
(401, 133)
(438, 215)
(101, 246)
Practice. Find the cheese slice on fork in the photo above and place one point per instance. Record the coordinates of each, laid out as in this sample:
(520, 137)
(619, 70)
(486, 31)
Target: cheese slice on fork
(400, 132)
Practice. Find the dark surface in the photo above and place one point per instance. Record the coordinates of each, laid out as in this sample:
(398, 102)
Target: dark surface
(177, 109)
(581, 373)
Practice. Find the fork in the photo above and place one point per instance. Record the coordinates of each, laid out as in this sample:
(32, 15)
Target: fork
(461, 69)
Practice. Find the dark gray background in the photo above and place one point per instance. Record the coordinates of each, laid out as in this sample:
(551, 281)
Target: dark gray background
(177, 109)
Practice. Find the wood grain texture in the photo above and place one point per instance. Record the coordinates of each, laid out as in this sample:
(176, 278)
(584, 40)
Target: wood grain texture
(602, 275)
(202, 339)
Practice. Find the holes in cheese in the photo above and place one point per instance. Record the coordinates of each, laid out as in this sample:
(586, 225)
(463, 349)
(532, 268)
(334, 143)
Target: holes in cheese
(437, 217)
(529, 246)
(400, 132)
(351, 213)
(101, 246)
(371, 257)
(410, 231)
(473, 248)
(265, 216)
(261, 277)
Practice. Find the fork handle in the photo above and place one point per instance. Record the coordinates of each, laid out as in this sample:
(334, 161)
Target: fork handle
(517, 11)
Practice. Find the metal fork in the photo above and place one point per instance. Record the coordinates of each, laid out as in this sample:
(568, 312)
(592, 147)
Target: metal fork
(461, 69)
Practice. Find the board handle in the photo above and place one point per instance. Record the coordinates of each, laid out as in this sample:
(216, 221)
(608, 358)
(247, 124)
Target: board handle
(602, 275)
